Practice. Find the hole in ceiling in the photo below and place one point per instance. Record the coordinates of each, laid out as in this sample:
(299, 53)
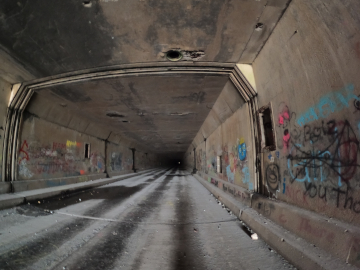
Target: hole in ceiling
(125, 121)
(115, 114)
(173, 55)
(192, 55)
(259, 26)
(87, 4)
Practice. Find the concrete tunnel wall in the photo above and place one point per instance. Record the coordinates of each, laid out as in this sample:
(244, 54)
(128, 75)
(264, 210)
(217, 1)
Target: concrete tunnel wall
(310, 81)
(230, 140)
(55, 155)
(5, 92)
(51, 147)
(309, 78)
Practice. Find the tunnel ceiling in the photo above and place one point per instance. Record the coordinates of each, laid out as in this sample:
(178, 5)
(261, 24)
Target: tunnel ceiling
(162, 112)
(165, 112)
(55, 37)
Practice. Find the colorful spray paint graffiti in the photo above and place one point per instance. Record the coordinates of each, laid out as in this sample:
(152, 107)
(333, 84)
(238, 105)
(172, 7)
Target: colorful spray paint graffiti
(57, 159)
(338, 157)
(230, 173)
(242, 149)
(246, 179)
(235, 160)
(233, 163)
(97, 164)
(329, 103)
(321, 159)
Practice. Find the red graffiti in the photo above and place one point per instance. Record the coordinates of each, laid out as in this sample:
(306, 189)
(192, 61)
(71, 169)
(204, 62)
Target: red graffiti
(22, 150)
(348, 147)
(232, 162)
(286, 139)
(284, 115)
(57, 145)
(296, 196)
(305, 226)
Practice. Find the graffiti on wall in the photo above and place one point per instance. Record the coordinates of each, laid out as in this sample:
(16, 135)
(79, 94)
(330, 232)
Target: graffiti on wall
(70, 144)
(235, 163)
(116, 161)
(321, 158)
(242, 149)
(57, 158)
(97, 164)
(23, 154)
(329, 103)
(338, 157)
(246, 178)
(272, 176)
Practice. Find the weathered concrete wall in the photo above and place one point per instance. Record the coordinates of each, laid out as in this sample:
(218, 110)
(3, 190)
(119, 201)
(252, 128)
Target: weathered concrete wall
(53, 155)
(231, 141)
(11, 72)
(5, 92)
(309, 72)
(201, 157)
(188, 159)
(120, 159)
(49, 151)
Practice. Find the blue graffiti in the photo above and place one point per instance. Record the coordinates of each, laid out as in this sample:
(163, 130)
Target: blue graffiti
(99, 164)
(277, 154)
(329, 103)
(246, 179)
(242, 151)
(251, 186)
(284, 186)
(270, 156)
(314, 162)
(230, 174)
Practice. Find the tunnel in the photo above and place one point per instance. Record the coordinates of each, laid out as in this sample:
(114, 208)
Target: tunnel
(189, 134)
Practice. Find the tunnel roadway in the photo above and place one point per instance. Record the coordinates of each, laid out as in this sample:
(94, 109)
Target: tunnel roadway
(162, 219)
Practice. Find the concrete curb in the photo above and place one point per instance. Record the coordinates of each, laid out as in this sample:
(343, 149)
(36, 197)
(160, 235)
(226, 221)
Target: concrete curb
(13, 199)
(296, 250)
(27, 185)
(340, 239)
